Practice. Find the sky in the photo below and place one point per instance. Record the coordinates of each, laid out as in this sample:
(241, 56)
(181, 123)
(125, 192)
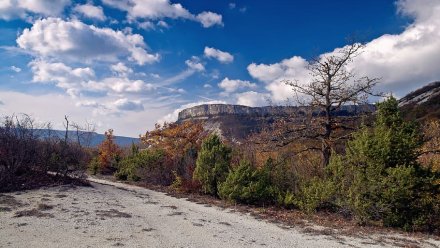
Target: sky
(128, 64)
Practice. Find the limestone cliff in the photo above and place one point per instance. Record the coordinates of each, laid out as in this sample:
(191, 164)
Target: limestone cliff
(215, 110)
(236, 122)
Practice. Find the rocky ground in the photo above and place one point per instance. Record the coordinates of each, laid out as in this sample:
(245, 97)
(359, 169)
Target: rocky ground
(112, 214)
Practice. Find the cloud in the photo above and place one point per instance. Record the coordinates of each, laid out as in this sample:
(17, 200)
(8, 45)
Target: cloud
(15, 68)
(273, 74)
(209, 19)
(155, 75)
(195, 64)
(223, 57)
(207, 86)
(253, 99)
(229, 85)
(172, 117)
(121, 69)
(97, 112)
(147, 25)
(162, 24)
(76, 81)
(76, 41)
(90, 11)
(22, 9)
(404, 61)
(64, 77)
(410, 59)
(232, 5)
(159, 9)
(179, 77)
(89, 103)
(127, 105)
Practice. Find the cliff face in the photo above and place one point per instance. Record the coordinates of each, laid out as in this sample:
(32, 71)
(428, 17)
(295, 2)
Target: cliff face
(212, 110)
(207, 111)
(236, 122)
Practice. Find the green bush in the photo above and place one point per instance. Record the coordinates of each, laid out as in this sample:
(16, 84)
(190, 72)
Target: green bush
(212, 165)
(246, 184)
(379, 178)
(283, 181)
(146, 165)
(94, 166)
(315, 194)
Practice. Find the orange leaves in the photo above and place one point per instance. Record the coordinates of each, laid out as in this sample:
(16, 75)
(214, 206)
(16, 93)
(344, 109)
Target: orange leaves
(109, 152)
(174, 138)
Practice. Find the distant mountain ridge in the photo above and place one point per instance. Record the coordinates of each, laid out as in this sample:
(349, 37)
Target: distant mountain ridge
(91, 139)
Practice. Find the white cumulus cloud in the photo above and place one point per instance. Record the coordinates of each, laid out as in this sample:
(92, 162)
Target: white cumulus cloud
(274, 74)
(232, 85)
(90, 11)
(22, 9)
(195, 64)
(74, 40)
(159, 9)
(223, 57)
(128, 105)
(209, 19)
(121, 69)
(404, 61)
(79, 80)
(252, 99)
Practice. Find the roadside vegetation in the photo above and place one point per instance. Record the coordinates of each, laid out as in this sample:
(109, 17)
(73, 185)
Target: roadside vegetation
(374, 168)
(32, 155)
(383, 176)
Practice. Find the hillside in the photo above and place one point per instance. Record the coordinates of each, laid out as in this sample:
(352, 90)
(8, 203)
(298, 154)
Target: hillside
(422, 104)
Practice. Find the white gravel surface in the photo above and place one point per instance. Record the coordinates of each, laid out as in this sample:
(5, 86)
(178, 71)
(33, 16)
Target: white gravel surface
(114, 214)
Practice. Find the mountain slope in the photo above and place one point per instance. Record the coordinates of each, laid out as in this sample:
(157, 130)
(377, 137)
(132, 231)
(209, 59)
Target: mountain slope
(422, 104)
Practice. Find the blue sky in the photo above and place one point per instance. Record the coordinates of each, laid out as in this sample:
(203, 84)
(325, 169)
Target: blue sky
(127, 64)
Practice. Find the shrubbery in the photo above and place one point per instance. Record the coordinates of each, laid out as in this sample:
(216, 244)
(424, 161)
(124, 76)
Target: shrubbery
(379, 178)
(212, 165)
(273, 183)
(109, 156)
(27, 154)
(246, 184)
(147, 166)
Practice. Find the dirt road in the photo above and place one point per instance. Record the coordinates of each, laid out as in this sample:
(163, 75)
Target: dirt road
(122, 215)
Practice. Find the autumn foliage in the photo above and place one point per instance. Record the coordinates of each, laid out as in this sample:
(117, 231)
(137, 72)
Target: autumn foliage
(431, 148)
(169, 158)
(109, 153)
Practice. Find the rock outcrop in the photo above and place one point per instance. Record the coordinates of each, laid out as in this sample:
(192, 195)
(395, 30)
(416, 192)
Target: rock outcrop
(236, 122)
(207, 111)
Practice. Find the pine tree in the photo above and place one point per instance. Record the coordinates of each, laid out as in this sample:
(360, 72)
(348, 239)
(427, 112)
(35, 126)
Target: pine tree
(212, 165)
(385, 180)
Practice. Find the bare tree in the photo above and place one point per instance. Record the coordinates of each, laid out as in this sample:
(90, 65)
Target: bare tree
(84, 134)
(332, 86)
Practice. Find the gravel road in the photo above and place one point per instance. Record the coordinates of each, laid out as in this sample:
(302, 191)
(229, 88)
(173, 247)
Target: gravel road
(113, 214)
